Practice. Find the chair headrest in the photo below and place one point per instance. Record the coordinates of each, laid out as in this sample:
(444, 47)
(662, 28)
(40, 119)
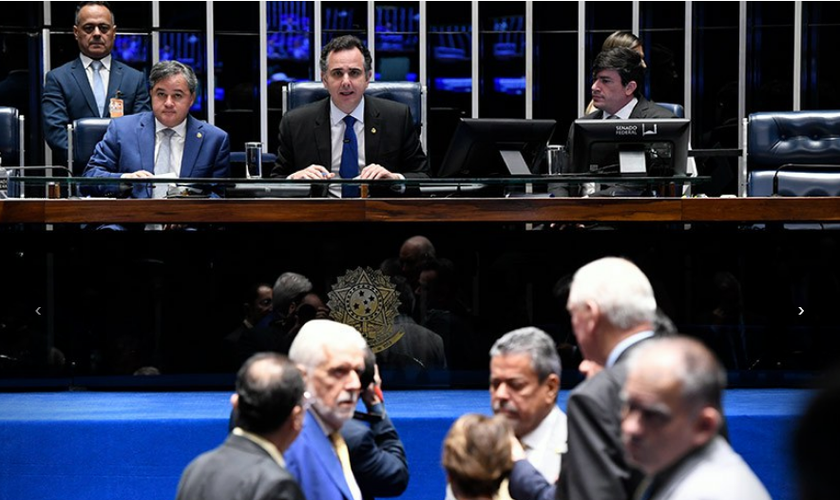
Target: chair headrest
(793, 137)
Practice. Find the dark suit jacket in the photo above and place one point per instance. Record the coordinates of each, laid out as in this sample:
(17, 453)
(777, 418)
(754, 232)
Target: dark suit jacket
(377, 456)
(644, 109)
(314, 464)
(237, 469)
(68, 96)
(129, 146)
(594, 467)
(390, 139)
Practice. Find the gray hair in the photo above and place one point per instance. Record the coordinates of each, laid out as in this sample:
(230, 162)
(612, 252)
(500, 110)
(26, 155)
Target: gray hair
(619, 288)
(702, 378)
(289, 288)
(535, 343)
(312, 342)
(166, 69)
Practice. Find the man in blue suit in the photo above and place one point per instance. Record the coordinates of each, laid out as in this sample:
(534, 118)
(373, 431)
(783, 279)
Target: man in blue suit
(85, 86)
(166, 142)
(332, 356)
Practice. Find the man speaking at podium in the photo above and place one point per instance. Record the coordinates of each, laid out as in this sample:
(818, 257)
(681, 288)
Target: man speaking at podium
(349, 135)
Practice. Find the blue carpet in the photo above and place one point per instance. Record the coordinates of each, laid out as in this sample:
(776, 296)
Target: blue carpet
(124, 446)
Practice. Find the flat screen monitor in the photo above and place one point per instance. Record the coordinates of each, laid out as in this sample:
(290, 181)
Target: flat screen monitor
(653, 147)
(496, 147)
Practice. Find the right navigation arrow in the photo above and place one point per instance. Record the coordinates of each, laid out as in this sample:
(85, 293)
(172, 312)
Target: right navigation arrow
(801, 311)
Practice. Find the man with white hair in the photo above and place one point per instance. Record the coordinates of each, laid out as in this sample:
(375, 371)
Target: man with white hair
(331, 355)
(671, 421)
(612, 307)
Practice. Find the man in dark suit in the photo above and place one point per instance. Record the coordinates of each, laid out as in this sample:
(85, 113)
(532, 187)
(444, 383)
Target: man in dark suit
(377, 455)
(618, 76)
(85, 87)
(612, 307)
(380, 141)
(250, 464)
(167, 142)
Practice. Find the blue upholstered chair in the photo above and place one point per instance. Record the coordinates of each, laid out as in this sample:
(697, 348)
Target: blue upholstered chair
(411, 94)
(82, 137)
(677, 109)
(795, 153)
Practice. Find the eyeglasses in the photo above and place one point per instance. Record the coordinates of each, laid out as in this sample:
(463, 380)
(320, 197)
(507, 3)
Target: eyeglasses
(90, 28)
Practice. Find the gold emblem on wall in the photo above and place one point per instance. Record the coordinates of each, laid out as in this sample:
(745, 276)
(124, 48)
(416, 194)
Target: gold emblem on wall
(367, 300)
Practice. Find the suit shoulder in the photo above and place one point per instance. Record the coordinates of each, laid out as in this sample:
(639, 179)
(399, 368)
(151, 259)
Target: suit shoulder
(385, 105)
(62, 70)
(307, 110)
(126, 69)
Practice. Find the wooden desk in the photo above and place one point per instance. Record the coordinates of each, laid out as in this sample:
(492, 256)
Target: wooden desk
(504, 210)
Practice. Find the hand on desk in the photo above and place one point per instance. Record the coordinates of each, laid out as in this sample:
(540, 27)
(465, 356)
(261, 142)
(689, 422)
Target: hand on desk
(313, 172)
(375, 171)
(137, 175)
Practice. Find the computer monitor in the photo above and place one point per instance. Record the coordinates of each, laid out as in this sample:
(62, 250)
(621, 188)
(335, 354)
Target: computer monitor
(496, 147)
(653, 147)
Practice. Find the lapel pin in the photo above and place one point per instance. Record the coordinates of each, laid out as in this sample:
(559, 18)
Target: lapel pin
(373, 130)
(198, 135)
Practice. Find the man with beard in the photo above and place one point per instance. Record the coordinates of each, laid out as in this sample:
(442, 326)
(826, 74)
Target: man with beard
(331, 355)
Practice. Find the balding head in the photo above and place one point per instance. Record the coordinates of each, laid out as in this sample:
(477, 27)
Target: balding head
(672, 401)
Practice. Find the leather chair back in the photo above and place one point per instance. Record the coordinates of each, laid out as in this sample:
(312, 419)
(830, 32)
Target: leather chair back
(409, 93)
(805, 145)
(86, 134)
(677, 109)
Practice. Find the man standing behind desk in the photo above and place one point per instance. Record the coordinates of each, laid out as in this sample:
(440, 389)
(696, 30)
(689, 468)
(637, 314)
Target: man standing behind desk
(167, 142)
(349, 135)
(84, 87)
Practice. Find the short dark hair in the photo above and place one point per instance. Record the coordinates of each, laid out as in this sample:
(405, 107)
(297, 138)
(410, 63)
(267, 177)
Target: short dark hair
(345, 42)
(627, 62)
(81, 5)
(166, 69)
(266, 401)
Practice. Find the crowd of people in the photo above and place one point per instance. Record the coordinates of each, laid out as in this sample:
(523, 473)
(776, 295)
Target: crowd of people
(648, 423)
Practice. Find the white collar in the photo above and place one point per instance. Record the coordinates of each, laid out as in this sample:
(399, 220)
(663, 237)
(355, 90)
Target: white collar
(337, 115)
(106, 61)
(625, 344)
(624, 113)
(541, 435)
(180, 129)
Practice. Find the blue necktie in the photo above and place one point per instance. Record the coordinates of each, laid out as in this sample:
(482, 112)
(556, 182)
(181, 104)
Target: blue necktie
(98, 86)
(349, 159)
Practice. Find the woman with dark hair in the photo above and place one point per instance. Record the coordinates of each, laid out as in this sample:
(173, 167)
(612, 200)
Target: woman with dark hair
(477, 456)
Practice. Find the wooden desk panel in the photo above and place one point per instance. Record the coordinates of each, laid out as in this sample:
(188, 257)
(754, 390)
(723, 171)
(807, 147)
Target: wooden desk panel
(505, 210)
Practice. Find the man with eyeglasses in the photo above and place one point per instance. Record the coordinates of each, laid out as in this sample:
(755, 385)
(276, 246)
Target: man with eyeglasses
(92, 84)
(671, 422)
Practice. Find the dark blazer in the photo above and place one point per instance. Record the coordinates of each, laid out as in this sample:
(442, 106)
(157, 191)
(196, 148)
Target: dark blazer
(390, 139)
(129, 146)
(643, 109)
(68, 96)
(377, 456)
(237, 469)
(594, 467)
(314, 464)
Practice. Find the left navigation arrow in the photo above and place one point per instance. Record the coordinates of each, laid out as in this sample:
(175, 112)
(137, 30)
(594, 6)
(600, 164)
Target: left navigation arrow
(38, 310)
